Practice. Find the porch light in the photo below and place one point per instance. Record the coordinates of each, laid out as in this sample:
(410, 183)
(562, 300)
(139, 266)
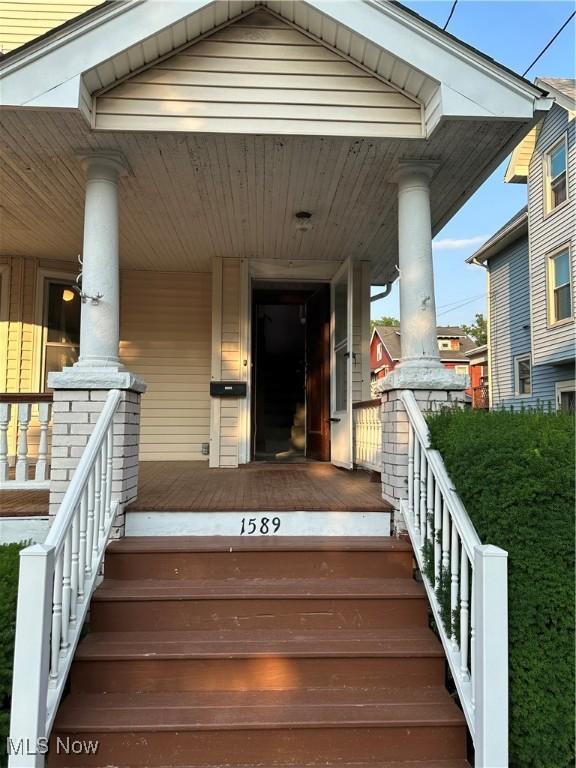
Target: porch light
(303, 221)
(68, 294)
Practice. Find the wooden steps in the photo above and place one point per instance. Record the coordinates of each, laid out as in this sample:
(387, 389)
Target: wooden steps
(267, 653)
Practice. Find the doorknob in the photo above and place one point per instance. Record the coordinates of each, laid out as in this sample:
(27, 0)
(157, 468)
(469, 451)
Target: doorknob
(334, 419)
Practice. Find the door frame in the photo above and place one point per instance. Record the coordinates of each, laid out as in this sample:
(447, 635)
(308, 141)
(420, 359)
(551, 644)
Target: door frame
(286, 272)
(346, 268)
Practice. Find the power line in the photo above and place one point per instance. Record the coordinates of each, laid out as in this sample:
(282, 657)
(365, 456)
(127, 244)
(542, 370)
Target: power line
(459, 306)
(460, 301)
(454, 4)
(543, 51)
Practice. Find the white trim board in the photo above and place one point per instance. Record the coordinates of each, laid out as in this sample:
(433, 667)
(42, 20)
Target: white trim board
(230, 523)
(14, 530)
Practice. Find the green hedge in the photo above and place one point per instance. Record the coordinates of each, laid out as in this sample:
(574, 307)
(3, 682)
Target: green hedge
(8, 591)
(515, 475)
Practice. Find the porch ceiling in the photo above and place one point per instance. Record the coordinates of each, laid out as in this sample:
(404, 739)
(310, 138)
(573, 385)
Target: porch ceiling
(192, 197)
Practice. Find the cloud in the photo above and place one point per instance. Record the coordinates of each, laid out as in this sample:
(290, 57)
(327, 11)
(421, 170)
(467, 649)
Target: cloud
(451, 244)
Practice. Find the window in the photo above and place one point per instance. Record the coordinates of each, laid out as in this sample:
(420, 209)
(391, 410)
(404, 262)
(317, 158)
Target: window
(461, 369)
(523, 375)
(61, 327)
(560, 300)
(566, 396)
(555, 169)
(379, 352)
(444, 344)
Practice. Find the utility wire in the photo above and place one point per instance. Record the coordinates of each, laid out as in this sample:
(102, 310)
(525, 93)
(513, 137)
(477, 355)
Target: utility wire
(543, 51)
(454, 4)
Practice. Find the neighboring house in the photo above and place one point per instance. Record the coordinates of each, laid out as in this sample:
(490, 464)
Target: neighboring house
(236, 177)
(531, 264)
(478, 357)
(386, 353)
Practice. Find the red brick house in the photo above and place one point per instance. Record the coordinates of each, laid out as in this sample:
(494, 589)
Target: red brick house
(453, 344)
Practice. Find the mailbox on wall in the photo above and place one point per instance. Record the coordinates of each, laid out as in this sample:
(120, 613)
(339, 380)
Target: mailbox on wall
(228, 388)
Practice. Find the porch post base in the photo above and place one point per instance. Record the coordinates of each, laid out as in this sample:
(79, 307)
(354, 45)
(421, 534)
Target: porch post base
(395, 442)
(79, 397)
(422, 375)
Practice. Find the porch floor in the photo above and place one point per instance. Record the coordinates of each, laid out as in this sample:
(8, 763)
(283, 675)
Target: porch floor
(191, 486)
(182, 486)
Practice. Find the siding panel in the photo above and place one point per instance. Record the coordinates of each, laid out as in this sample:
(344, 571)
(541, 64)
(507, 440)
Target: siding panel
(166, 337)
(259, 75)
(24, 20)
(510, 332)
(551, 344)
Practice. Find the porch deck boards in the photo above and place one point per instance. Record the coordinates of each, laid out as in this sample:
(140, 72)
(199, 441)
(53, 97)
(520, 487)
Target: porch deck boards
(191, 486)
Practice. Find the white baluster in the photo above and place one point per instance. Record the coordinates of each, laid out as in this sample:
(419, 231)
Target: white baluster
(454, 579)
(97, 505)
(464, 615)
(5, 414)
(75, 567)
(82, 548)
(422, 492)
(110, 468)
(445, 538)
(416, 493)
(103, 471)
(437, 534)
(56, 619)
(44, 419)
(430, 506)
(24, 413)
(66, 590)
(472, 641)
(90, 524)
(411, 473)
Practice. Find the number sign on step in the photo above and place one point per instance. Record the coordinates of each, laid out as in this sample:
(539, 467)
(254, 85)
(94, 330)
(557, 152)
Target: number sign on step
(263, 527)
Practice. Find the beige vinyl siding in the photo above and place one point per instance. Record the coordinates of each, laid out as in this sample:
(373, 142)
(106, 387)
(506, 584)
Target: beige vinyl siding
(517, 171)
(21, 370)
(166, 339)
(24, 20)
(259, 75)
(551, 344)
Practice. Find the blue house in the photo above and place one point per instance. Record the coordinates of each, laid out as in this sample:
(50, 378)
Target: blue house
(531, 265)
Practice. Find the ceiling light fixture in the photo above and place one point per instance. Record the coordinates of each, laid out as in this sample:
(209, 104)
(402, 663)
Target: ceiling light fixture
(303, 221)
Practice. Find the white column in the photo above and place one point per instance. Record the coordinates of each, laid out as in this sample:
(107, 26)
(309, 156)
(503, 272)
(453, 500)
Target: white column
(420, 366)
(99, 366)
(100, 326)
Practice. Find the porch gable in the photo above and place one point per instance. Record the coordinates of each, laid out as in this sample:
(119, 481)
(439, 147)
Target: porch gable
(259, 75)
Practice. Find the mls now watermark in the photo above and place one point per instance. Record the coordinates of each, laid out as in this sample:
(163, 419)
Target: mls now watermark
(62, 746)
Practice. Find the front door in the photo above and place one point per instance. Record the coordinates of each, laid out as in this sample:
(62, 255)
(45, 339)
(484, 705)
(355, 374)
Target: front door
(318, 374)
(341, 379)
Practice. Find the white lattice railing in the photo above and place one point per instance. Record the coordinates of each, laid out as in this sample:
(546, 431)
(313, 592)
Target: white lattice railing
(368, 434)
(55, 585)
(467, 586)
(24, 414)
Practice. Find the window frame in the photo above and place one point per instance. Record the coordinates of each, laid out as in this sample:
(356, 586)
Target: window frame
(547, 158)
(550, 288)
(379, 351)
(517, 360)
(567, 385)
(43, 278)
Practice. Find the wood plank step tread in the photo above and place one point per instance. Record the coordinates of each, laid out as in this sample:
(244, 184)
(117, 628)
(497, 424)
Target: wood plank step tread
(395, 764)
(241, 710)
(250, 589)
(406, 642)
(136, 544)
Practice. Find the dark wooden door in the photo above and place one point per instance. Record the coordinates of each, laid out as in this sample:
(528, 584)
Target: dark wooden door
(318, 374)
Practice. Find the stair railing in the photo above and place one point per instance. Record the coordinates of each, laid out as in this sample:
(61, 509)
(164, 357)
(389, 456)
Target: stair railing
(467, 586)
(55, 585)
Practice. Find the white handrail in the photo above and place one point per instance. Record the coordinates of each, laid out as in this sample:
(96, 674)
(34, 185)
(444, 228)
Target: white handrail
(56, 582)
(466, 583)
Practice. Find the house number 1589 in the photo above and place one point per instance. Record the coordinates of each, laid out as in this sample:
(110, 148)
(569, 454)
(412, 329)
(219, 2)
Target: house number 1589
(263, 526)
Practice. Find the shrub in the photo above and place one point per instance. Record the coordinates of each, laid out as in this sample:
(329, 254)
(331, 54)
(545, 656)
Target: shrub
(8, 592)
(515, 475)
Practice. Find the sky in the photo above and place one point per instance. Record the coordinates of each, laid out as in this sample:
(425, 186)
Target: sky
(513, 32)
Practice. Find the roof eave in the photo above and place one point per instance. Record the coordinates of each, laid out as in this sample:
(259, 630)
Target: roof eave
(515, 231)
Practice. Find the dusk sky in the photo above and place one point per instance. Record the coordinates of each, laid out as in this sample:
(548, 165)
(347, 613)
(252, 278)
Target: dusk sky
(513, 32)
